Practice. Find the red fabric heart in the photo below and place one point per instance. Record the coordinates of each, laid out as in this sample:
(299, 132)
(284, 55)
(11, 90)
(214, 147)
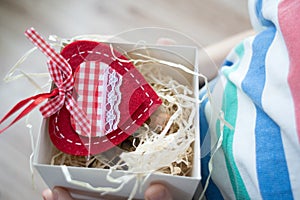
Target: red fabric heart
(137, 100)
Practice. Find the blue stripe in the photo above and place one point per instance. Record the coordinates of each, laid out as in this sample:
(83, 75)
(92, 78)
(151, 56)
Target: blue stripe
(272, 171)
(212, 191)
(259, 14)
(227, 63)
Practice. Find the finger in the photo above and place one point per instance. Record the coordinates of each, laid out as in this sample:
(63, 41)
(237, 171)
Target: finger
(157, 192)
(61, 194)
(47, 194)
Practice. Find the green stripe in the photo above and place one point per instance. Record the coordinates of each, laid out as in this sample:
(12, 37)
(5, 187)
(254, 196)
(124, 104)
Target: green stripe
(230, 107)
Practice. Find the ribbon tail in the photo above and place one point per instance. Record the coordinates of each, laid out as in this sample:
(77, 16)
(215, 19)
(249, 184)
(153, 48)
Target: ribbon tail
(78, 115)
(37, 99)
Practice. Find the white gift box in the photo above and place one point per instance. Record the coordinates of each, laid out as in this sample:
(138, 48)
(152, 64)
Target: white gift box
(182, 187)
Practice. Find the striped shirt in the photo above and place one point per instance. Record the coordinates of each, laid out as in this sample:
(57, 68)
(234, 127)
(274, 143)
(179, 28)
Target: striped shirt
(258, 90)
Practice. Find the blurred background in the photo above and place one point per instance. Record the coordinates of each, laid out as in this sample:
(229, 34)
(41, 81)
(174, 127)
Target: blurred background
(206, 21)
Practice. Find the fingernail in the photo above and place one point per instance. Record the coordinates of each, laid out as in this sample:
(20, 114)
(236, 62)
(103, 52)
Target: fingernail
(162, 195)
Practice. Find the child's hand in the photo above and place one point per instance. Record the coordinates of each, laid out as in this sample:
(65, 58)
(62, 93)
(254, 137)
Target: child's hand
(154, 192)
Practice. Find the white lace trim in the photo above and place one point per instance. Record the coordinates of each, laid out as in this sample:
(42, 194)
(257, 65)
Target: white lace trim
(113, 99)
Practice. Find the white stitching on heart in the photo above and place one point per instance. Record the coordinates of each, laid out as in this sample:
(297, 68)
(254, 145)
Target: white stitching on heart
(70, 141)
(121, 132)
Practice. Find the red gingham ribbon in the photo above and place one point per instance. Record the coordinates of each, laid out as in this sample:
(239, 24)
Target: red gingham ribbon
(61, 74)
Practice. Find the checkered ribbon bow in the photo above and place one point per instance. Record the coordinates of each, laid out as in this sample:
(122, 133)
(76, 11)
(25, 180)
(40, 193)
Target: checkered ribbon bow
(61, 74)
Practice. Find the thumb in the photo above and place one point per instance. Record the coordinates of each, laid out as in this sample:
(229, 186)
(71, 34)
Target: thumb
(157, 191)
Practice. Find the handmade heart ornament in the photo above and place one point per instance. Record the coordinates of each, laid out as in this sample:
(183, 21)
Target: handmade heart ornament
(115, 96)
(98, 98)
